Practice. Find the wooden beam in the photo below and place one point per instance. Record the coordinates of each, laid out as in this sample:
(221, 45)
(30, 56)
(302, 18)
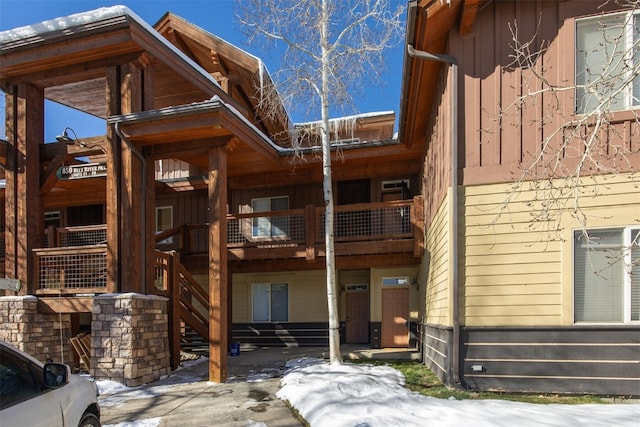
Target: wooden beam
(49, 176)
(218, 280)
(342, 263)
(468, 16)
(67, 304)
(24, 227)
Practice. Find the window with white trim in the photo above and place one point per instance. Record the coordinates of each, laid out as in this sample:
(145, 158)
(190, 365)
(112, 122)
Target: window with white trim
(607, 275)
(607, 62)
(270, 302)
(274, 226)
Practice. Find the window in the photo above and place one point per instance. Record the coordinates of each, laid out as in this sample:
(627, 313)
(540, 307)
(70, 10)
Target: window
(164, 221)
(270, 302)
(607, 275)
(277, 226)
(17, 380)
(395, 281)
(607, 62)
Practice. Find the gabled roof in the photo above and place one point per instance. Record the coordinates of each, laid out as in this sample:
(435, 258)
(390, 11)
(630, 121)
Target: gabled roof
(241, 74)
(68, 56)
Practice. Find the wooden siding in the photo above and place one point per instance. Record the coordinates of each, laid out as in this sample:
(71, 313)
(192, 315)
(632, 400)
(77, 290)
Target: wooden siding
(307, 295)
(436, 173)
(438, 260)
(436, 346)
(518, 271)
(315, 334)
(496, 139)
(588, 359)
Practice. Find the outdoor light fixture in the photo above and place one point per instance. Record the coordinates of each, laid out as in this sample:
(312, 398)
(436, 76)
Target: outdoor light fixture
(66, 138)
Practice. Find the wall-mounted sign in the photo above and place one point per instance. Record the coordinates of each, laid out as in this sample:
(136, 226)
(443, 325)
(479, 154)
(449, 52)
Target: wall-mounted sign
(88, 170)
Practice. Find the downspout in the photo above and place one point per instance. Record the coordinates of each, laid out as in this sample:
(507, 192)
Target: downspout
(453, 62)
(143, 209)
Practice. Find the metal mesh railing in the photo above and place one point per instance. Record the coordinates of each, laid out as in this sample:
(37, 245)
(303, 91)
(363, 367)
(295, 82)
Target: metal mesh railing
(243, 230)
(85, 268)
(82, 236)
(384, 222)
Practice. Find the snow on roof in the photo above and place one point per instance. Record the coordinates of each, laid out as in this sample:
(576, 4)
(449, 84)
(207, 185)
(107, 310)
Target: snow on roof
(214, 102)
(348, 118)
(35, 33)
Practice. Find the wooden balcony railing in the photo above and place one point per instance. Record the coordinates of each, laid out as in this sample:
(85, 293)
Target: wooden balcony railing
(388, 227)
(300, 232)
(82, 269)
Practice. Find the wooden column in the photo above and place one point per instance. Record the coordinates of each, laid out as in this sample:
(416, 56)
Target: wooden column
(132, 250)
(113, 183)
(218, 281)
(23, 205)
(127, 254)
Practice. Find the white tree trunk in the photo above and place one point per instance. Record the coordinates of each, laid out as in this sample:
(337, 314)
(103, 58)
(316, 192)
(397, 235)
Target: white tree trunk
(332, 299)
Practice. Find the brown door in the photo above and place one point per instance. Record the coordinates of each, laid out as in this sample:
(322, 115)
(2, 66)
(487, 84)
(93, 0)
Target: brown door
(395, 317)
(357, 330)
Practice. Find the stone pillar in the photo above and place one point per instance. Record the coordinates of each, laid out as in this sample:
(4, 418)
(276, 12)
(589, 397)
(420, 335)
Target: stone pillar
(130, 338)
(42, 335)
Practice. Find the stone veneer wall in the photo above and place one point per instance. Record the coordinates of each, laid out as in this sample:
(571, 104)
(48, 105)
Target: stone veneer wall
(35, 333)
(130, 338)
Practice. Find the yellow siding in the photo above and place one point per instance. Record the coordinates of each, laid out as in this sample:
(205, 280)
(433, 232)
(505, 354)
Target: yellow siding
(307, 295)
(377, 274)
(517, 269)
(437, 249)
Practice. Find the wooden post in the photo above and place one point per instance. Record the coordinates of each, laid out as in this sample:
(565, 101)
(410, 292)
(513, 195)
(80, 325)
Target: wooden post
(417, 225)
(150, 221)
(310, 227)
(173, 283)
(23, 205)
(133, 253)
(113, 183)
(218, 284)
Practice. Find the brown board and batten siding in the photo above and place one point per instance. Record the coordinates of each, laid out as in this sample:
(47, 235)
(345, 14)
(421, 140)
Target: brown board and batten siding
(436, 175)
(497, 138)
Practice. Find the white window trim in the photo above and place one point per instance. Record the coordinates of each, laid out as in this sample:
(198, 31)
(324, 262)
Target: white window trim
(629, 27)
(626, 259)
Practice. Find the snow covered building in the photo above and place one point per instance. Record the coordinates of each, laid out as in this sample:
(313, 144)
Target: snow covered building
(530, 277)
(192, 212)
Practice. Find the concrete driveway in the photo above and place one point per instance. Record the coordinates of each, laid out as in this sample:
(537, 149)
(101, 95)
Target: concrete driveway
(186, 398)
(248, 398)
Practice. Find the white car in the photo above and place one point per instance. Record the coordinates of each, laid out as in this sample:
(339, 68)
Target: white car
(33, 394)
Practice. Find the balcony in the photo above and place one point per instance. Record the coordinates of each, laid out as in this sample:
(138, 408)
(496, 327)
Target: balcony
(361, 229)
(77, 261)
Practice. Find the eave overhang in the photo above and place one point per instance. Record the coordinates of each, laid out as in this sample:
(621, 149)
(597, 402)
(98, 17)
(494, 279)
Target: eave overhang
(428, 26)
(213, 120)
(91, 40)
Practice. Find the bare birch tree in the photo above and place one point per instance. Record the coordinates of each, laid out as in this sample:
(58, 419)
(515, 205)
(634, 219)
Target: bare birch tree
(330, 49)
(582, 138)
(590, 124)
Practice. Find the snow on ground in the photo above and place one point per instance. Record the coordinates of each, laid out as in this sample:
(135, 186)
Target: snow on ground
(336, 395)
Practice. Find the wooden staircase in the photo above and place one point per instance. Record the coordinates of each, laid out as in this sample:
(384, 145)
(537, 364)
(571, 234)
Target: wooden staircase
(188, 305)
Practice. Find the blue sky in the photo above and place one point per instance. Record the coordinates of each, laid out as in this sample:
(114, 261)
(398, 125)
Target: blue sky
(215, 16)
